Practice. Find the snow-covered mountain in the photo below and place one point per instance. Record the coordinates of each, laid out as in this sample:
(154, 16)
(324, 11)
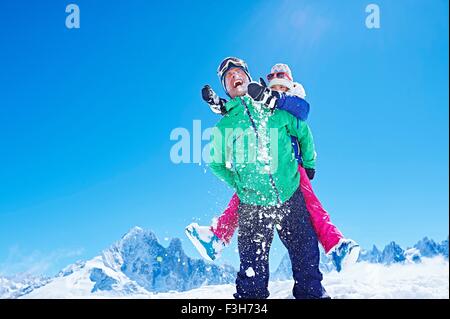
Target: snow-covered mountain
(429, 248)
(17, 286)
(134, 266)
(138, 266)
(371, 256)
(427, 279)
(142, 259)
(391, 254)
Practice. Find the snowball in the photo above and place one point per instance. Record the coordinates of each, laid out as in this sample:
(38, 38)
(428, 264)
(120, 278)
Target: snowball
(250, 272)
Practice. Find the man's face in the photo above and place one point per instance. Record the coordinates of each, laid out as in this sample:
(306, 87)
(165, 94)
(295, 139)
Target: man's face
(236, 82)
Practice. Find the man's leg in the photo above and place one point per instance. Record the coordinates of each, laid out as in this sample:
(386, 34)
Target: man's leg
(299, 237)
(255, 236)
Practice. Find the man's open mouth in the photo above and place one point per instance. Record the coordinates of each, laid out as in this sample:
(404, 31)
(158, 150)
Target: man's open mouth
(237, 83)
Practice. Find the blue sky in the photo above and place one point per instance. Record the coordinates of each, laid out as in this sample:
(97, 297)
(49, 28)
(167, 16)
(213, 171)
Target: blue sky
(86, 115)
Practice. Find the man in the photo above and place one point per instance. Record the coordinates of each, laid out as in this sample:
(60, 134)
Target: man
(252, 153)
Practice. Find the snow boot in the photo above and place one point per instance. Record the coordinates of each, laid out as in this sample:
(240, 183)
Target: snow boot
(345, 253)
(207, 243)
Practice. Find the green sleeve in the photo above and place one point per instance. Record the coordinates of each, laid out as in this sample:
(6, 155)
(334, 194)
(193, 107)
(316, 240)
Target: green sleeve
(302, 132)
(218, 161)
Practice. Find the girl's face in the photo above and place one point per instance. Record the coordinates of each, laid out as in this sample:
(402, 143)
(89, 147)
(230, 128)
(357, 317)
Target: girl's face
(236, 82)
(279, 88)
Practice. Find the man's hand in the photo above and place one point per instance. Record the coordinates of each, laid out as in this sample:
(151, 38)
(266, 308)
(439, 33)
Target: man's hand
(310, 172)
(216, 104)
(263, 94)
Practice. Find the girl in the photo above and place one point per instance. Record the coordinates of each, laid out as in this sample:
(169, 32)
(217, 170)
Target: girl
(287, 95)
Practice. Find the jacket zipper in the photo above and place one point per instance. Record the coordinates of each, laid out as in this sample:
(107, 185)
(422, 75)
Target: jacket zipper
(272, 181)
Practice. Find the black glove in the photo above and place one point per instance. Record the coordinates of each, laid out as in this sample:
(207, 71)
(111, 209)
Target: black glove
(216, 104)
(263, 94)
(310, 172)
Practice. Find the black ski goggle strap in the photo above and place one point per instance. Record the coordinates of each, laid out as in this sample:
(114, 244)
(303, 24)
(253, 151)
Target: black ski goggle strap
(228, 62)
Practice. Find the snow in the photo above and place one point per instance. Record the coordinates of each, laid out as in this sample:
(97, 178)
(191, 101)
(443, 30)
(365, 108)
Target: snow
(79, 284)
(134, 267)
(428, 279)
(250, 272)
(16, 286)
(137, 266)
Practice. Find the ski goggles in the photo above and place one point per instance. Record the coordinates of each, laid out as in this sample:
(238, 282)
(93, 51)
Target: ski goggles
(278, 75)
(229, 63)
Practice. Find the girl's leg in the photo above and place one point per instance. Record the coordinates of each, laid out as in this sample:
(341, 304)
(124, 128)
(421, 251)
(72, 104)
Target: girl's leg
(228, 221)
(328, 235)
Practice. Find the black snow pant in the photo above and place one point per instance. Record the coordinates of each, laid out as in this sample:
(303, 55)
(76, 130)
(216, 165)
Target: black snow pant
(256, 231)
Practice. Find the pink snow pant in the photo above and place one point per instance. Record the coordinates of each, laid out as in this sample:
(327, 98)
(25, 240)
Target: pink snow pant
(328, 235)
